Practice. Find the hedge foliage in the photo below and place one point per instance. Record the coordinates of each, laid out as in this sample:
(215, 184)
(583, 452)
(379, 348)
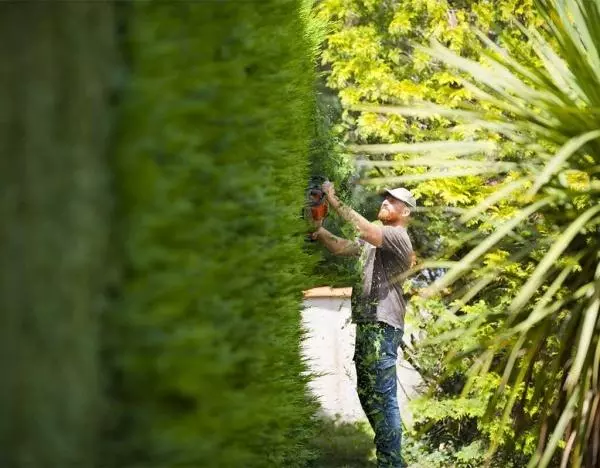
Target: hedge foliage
(212, 167)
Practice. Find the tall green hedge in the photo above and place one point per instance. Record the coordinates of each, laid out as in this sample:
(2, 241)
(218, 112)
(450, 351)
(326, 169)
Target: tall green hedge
(212, 166)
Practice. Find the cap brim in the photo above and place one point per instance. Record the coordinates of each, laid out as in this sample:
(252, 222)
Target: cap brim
(389, 192)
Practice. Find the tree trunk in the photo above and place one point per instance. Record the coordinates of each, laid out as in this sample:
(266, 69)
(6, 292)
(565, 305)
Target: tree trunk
(54, 210)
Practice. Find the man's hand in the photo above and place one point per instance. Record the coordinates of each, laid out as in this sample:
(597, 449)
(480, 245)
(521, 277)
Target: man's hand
(329, 190)
(317, 233)
(368, 231)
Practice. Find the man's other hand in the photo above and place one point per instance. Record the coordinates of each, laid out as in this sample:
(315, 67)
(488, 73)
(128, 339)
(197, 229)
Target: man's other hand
(317, 232)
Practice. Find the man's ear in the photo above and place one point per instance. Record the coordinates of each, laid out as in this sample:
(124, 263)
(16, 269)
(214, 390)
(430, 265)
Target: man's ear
(406, 212)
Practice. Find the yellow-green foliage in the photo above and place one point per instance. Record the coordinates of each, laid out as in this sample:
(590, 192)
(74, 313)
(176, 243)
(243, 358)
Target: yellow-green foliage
(373, 57)
(523, 299)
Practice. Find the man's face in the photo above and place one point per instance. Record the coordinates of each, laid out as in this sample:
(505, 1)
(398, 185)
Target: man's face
(392, 211)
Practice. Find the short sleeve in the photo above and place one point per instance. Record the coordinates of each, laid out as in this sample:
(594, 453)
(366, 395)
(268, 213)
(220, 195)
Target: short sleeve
(397, 242)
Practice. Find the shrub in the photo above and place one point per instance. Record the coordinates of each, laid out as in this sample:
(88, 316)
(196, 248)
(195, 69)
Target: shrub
(212, 166)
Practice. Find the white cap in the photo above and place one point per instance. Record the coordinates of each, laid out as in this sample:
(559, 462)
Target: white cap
(403, 195)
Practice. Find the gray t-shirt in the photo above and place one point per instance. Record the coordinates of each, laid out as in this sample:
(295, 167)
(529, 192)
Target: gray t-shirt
(379, 297)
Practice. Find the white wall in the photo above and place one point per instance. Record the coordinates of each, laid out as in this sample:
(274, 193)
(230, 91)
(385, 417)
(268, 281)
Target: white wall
(329, 347)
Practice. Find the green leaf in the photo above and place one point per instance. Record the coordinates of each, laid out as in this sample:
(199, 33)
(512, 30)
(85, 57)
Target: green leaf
(557, 434)
(540, 311)
(425, 110)
(488, 243)
(442, 162)
(588, 327)
(547, 263)
(573, 145)
(456, 148)
(430, 175)
(494, 198)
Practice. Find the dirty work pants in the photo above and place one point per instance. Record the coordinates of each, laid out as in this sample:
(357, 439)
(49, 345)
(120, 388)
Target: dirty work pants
(375, 354)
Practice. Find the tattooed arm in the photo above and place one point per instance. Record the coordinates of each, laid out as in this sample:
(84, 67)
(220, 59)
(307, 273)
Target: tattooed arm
(368, 231)
(336, 245)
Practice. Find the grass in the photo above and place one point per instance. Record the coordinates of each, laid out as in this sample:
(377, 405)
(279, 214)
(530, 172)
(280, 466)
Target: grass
(343, 445)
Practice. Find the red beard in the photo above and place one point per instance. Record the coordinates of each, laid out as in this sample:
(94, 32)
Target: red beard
(385, 216)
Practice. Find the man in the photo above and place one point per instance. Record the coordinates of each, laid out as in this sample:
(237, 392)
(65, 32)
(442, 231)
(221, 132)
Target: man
(378, 308)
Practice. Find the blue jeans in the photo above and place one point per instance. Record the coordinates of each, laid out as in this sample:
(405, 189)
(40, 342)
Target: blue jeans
(375, 355)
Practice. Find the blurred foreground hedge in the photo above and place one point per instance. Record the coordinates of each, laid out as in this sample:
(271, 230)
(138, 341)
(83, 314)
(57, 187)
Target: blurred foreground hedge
(150, 246)
(211, 169)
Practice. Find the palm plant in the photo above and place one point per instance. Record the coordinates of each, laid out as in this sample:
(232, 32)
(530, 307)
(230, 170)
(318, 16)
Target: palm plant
(546, 341)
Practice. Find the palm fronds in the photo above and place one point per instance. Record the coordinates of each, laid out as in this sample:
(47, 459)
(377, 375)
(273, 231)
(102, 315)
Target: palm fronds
(546, 342)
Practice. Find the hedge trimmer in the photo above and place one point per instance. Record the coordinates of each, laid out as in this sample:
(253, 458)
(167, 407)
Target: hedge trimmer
(317, 206)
